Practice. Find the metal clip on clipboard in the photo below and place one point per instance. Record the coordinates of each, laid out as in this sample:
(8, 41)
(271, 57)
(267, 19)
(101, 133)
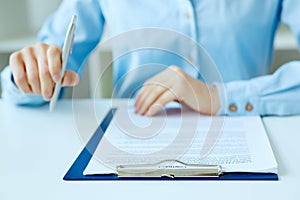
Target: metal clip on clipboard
(169, 169)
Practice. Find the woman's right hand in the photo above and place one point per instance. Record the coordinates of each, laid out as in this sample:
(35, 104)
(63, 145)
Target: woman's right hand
(37, 68)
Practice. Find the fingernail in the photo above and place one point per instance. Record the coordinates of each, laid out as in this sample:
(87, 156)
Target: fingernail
(136, 109)
(148, 114)
(67, 81)
(47, 98)
(140, 112)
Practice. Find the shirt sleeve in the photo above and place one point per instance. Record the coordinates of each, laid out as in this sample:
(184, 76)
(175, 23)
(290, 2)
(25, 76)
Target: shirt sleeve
(89, 28)
(12, 94)
(276, 94)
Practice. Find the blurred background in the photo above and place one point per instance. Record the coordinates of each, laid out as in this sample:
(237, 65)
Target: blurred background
(20, 21)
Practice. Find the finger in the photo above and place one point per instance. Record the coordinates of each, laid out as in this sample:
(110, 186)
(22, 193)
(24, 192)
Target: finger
(157, 105)
(47, 84)
(19, 72)
(158, 78)
(146, 91)
(142, 96)
(151, 95)
(138, 97)
(54, 62)
(32, 72)
(148, 94)
(70, 79)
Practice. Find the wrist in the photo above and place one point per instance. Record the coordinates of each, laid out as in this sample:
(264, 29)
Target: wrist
(215, 100)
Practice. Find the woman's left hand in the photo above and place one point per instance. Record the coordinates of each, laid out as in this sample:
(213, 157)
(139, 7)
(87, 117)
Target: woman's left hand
(173, 84)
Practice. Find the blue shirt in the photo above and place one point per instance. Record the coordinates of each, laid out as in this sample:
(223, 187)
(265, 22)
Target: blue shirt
(237, 35)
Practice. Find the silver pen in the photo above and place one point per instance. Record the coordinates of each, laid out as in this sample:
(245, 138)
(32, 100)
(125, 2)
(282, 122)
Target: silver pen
(68, 43)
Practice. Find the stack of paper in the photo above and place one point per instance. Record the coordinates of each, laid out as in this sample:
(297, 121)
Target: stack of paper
(238, 144)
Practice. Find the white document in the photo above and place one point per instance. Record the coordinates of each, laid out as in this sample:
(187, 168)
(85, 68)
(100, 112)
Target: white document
(238, 144)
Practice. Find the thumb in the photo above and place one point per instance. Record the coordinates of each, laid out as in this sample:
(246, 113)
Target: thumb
(70, 79)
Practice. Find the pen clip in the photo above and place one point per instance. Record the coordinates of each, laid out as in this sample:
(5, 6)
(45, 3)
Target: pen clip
(169, 169)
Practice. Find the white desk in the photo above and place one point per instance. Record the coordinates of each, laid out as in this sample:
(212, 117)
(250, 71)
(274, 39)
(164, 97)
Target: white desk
(37, 148)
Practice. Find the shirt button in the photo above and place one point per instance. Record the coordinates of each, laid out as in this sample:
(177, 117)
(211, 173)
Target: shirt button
(190, 59)
(233, 108)
(249, 107)
(187, 15)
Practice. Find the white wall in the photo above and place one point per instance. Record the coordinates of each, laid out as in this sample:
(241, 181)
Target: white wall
(39, 10)
(23, 17)
(12, 18)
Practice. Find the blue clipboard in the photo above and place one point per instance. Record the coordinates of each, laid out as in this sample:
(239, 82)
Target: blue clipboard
(75, 173)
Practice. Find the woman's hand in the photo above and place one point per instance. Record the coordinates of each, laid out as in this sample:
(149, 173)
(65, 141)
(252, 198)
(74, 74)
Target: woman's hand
(37, 68)
(173, 84)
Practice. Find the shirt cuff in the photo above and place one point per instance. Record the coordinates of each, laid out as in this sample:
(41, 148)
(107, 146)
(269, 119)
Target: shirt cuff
(12, 94)
(237, 98)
